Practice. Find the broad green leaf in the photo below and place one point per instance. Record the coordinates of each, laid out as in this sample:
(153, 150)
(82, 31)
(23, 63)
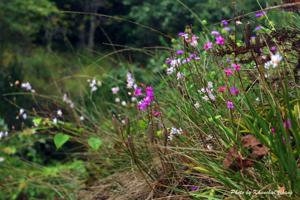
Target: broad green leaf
(94, 143)
(60, 139)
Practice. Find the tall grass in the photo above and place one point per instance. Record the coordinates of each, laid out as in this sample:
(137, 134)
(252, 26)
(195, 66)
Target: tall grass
(223, 122)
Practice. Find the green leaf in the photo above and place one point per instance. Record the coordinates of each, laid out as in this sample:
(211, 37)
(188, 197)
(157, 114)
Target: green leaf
(142, 124)
(94, 143)
(159, 133)
(60, 139)
(37, 121)
(216, 117)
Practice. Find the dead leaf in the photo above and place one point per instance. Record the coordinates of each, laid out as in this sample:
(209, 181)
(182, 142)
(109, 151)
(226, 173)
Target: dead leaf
(236, 161)
(281, 190)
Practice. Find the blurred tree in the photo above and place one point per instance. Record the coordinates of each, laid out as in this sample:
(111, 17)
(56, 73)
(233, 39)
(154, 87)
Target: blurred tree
(39, 19)
(20, 24)
(21, 19)
(83, 25)
(171, 16)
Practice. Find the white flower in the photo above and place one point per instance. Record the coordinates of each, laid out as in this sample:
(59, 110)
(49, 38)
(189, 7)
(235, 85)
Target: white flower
(207, 92)
(179, 75)
(123, 103)
(81, 118)
(115, 90)
(174, 131)
(65, 98)
(93, 89)
(197, 105)
(170, 137)
(175, 62)
(68, 101)
(209, 85)
(194, 43)
(59, 113)
(130, 81)
(274, 62)
(268, 64)
(55, 121)
(3, 134)
(26, 86)
(21, 111)
(238, 22)
(24, 116)
(205, 98)
(170, 70)
(211, 96)
(117, 100)
(93, 84)
(276, 59)
(2, 159)
(133, 99)
(209, 147)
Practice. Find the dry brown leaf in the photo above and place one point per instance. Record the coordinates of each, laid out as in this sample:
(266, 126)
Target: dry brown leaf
(235, 161)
